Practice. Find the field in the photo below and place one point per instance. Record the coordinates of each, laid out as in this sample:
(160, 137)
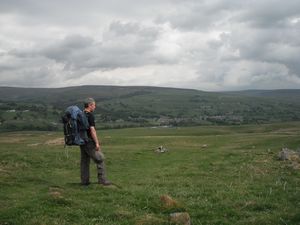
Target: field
(218, 174)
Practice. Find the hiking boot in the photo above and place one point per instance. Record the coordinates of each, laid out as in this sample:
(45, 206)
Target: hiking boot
(105, 182)
(85, 183)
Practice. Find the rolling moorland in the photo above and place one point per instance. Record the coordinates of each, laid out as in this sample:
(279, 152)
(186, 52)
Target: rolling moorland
(120, 107)
(219, 175)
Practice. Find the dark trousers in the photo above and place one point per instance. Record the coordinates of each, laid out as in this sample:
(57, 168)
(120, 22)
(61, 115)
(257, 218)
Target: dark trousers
(88, 151)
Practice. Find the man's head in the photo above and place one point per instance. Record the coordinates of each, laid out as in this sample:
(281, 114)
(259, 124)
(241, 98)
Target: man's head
(89, 104)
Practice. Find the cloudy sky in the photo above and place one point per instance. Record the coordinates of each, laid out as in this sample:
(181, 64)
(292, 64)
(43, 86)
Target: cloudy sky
(210, 45)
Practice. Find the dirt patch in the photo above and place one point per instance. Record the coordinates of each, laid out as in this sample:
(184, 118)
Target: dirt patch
(56, 193)
(34, 144)
(123, 214)
(11, 140)
(4, 171)
(56, 141)
(287, 131)
(150, 220)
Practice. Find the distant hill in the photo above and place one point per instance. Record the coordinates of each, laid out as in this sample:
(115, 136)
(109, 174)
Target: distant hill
(118, 106)
(284, 94)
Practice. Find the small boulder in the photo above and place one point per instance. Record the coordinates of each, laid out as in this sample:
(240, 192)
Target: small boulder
(180, 218)
(161, 149)
(288, 154)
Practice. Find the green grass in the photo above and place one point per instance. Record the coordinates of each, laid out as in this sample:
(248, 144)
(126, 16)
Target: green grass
(235, 179)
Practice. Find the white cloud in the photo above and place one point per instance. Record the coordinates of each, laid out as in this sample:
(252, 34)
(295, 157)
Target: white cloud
(209, 45)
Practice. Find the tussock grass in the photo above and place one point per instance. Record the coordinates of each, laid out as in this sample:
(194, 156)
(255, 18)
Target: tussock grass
(235, 179)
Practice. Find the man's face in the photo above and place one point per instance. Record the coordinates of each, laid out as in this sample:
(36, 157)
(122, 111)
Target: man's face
(92, 106)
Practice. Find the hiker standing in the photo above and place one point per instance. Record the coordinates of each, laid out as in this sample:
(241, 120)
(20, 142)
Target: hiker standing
(92, 148)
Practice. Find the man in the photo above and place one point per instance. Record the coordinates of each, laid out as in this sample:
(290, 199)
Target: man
(92, 148)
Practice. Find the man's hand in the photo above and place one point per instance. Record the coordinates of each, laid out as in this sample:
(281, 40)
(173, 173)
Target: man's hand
(97, 147)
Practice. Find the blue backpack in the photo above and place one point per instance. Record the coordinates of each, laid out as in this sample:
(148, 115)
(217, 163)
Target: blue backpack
(75, 126)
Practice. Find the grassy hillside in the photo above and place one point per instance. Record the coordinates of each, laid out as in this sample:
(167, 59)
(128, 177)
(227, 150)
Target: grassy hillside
(219, 175)
(40, 108)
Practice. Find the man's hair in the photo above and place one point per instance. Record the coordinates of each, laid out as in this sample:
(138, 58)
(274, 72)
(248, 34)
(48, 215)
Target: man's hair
(88, 101)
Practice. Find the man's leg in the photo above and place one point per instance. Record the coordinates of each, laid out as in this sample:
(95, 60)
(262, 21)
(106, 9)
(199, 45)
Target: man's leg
(84, 165)
(98, 158)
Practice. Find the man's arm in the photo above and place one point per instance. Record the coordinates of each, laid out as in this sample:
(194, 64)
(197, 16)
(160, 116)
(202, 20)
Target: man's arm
(95, 138)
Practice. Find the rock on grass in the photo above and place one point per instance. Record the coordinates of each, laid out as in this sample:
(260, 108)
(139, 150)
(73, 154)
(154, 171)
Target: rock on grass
(168, 202)
(180, 218)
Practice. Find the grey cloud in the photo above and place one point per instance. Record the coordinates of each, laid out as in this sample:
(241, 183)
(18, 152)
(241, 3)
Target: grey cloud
(200, 15)
(119, 29)
(205, 14)
(123, 45)
(269, 13)
(224, 44)
(268, 45)
(67, 48)
(265, 32)
(29, 72)
(79, 13)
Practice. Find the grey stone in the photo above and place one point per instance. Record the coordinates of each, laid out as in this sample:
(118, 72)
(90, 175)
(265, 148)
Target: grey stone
(180, 218)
